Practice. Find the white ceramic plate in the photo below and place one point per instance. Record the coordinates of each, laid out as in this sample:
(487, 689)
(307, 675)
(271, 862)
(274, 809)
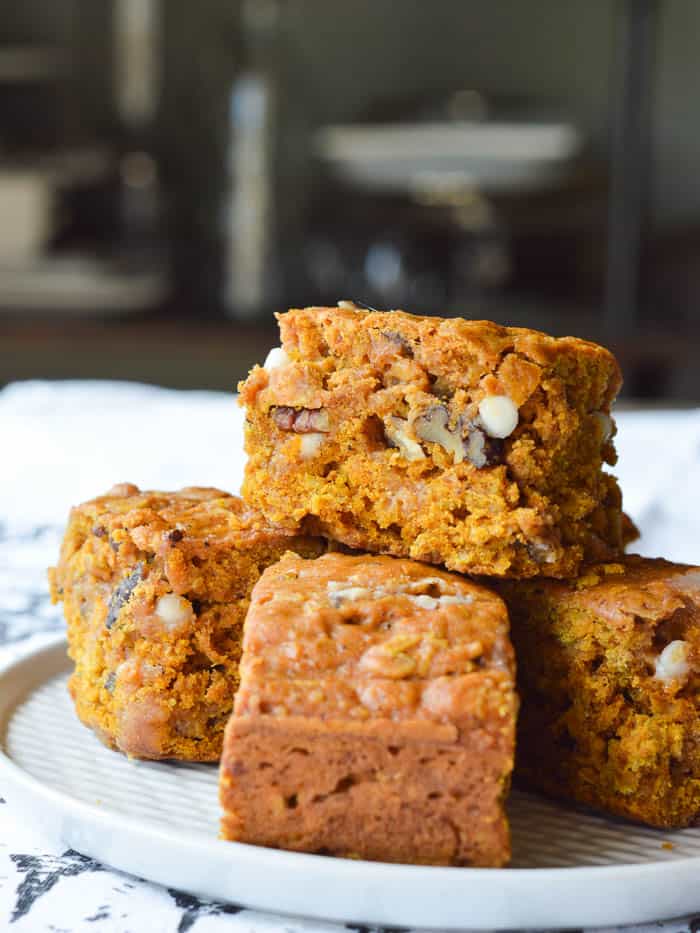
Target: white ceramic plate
(160, 821)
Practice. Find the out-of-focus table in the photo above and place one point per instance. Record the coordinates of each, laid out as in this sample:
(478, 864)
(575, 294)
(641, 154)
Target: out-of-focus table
(61, 443)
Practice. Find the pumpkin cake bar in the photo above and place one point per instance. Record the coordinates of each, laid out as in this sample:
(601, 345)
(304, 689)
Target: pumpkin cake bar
(609, 674)
(155, 589)
(455, 442)
(375, 717)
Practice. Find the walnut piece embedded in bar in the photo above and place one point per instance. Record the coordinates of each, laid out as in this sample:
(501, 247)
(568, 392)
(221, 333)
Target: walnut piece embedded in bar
(454, 442)
(375, 717)
(155, 587)
(609, 674)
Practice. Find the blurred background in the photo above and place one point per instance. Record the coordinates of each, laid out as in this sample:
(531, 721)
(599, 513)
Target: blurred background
(173, 172)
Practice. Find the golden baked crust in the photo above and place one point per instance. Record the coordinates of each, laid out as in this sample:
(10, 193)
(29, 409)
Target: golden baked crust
(608, 672)
(380, 426)
(155, 588)
(375, 716)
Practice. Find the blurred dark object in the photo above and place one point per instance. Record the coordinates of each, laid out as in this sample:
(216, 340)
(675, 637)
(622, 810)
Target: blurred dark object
(80, 213)
(495, 198)
(252, 197)
(630, 158)
(201, 165)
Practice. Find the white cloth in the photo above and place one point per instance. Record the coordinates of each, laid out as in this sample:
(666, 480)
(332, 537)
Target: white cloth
(62, 443)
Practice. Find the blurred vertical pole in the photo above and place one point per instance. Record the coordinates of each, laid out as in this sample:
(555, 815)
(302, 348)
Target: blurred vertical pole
(201, 51)
(633, 82)
(250, 210)
(137, 82)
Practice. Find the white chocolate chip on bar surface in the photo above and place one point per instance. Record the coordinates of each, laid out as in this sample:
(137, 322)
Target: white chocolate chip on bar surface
(275, 359)
(498, 415)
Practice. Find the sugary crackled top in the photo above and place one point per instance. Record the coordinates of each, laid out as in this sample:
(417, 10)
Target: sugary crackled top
(197, 534)
(345, 637)
(648, 589)
(654, 605)
(194, 517)
(462, 352)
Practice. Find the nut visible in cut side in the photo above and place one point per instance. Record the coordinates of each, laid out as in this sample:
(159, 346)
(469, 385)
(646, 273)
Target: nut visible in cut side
(396, 431)
(301, 420)
(402, 344)
(433, 427)
(541, 551)
(482, 450)
(466, 441)
(498, 415)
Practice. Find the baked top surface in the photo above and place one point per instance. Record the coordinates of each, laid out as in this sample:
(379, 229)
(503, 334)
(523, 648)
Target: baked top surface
(339, 357)
(609, 672)
(155, 588)
(466, 344)
(454, 442)
(633, 588)
(372, 636)
(192, 518)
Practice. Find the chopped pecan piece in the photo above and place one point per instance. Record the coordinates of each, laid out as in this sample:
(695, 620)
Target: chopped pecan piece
(401, 342)
(396, 432)
(301, 420)
(433, 426)
(482, 450)
(122, 593)
(465, 441)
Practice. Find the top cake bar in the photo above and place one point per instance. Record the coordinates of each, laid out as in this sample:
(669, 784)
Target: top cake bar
(454, 442)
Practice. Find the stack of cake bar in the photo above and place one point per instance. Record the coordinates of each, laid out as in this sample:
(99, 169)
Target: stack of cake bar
(417, 492)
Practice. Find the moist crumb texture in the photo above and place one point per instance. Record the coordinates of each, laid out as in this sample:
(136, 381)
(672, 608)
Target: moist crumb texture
(155, 588)
(453, 442)
(375, 717)
(609, 672)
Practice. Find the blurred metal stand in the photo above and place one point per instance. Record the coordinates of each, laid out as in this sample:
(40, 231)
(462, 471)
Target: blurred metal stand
(630, 160)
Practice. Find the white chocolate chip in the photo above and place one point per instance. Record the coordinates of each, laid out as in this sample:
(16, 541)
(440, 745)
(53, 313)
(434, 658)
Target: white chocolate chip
(672, 663)
(396, 430)
(498, 415)
(173, 611)
(275, 359)
(348, 305)
(311, 444)
(606, 425)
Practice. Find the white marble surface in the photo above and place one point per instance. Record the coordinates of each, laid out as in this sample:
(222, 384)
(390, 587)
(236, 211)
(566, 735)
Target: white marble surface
(61, 443)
